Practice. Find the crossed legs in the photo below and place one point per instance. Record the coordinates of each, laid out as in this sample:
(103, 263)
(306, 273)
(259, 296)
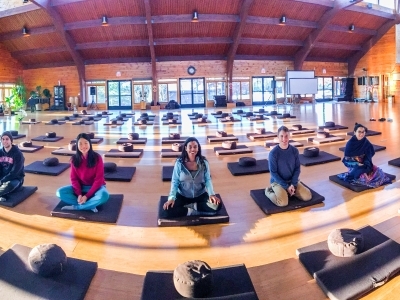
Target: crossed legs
(279, 196)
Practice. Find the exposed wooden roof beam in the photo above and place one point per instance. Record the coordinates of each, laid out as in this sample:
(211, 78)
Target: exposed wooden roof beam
(68, 41)
(262, 57)
(32, 31)
(353, 60)
(108, 44)
(271, 42)
(375, 12)
(191, 58)
(337, 46)
(117, 60)
(111, 21)
(301, 55)
(357, 29)
(19, 10)
(244, 12)
(275, 21)
(327, 3)
(50, 65)
(186, 18)
(18, 54)
(196, 40)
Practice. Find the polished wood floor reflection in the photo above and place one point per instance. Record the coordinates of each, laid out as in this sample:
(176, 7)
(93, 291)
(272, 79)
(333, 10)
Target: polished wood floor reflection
(266, 244)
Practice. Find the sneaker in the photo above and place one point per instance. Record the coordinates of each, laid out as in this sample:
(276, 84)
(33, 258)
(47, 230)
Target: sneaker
(94, 210)
(2, 199)
(192, 205)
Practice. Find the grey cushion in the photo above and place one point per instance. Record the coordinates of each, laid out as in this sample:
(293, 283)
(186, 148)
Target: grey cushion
(47, 260)
(51, 134)
(247, 161)
(174, 135)
(26, 144)
(311, 152)
(90, 134)
(198, 116)
(193, 279)
(126, 147)
(143, 121)
(51, 161)
(13, 132)
(286, 116)
(274, 112)
(72, 146)
(297, 127)
(114, 122)
(133, 136)
(32, 120)
(329, 124)
(144, 115)
(54, 121)
(345, 242)
(90, 118)
(110, 167)
(249, 114)
(224, 115)
(84, 112)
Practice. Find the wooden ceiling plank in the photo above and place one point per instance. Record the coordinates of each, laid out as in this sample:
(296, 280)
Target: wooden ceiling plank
(368, 11)
(69, 42)
(323, 22)
(263, 57)
(196, 40)
(191, 58)
(32, 31)
(111, 22)
(275, 21)
(353, 60)
(100, 61)
(109, 44)
(337, 46)
(237, 34)
(187, 18)
(18, 54)
(64, 2)
(19, 10)
(357, 29)
(271, 42)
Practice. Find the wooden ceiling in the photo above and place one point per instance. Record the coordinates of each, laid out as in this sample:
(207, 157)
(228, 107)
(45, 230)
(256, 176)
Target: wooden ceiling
(69, 32)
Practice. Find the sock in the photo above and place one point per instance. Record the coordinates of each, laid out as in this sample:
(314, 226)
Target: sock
(190, 211)
(94, 210)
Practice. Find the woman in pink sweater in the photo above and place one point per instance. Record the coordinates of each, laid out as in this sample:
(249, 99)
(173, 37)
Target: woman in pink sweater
(88, 188)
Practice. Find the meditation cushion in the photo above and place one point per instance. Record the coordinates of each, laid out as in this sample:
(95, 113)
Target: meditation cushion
(126, 147)
(103, 112)
(120, 118)
(247, 161)
(260, 130)
(90, 118)
(75, 115)
(32, 120)
(286, 116)
(224, 115)
(169, 114)
(198, 116)
(47, 260)
(297, 127)
(170, 117)
(175, 136)
(54, 121)
(99, 115)
(123, 115)
(311, 152)
(90, 134)
(193, 279)
(143, 121)
(13, 132)
(382, 120)
(114, 122)
(221, 134)
(67, 118)
(176, 147)
(133, 136)
(51, 161)
(26, 144)
(345, 242)
(249, 114)
(72, 146)
(218, 112)
(329, 124)
(51, 134)
(229, 118)
(322, 134)
(172, 121)
(110, 167)
(202, 119)
(229, 145)
(144, 115)
(276, 139)
(260, 117)
(274, 112)
(84, 112)
(261, 110)
(240, 111)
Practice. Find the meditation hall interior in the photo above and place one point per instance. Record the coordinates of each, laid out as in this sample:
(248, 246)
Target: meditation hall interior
(140, 78)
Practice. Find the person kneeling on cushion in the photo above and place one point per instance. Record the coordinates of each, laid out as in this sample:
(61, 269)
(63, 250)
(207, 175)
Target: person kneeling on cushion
(88, 188)
(11, 166)
(192, 192)
(284, 166)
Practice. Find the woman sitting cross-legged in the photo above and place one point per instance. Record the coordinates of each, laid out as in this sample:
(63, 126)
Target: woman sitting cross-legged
(192, 191)
(358, 159)
(88, 188)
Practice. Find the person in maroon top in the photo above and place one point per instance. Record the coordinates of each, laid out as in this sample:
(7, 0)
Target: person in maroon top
(88, 188)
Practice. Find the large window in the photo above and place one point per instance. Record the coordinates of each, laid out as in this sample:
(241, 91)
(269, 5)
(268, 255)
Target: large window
(215, 87)
(325, 88)
(96, 92)
(240, 88)
(167, 91)
(192, 92)
(119, 94)
(5, 91)
(263, 90)
(280, 88)
(142, 91)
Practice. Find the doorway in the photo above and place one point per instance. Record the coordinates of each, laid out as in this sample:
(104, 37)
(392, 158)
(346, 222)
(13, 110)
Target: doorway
(119, 94)
(192, 92)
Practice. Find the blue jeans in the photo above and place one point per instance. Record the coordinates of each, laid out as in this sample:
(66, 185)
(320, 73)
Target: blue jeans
(67, 195)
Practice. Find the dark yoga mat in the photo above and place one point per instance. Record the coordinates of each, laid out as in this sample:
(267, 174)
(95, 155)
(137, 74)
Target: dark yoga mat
(18, 196)
(376, 148)
(355, 187)
(18, 136)
(63, 151)
(126, 140)
(394, 162)
(43, 138)
(167, 173)
(121, 174)
(221, 217)
(231, 282)
(322, 158)
(108, 212)
(270, 208)
(116, 153)
(240, 149)
(30, 149)
(336, 127)
(17, 281)
(352, 277)
(260, 167)
(369, 133)
(38, 167)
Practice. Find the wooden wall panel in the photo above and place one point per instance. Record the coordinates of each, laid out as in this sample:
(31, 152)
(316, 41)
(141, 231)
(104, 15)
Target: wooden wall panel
(211, 68)
(48, 78)
(10, 68)
(253, 68)
(109, 71)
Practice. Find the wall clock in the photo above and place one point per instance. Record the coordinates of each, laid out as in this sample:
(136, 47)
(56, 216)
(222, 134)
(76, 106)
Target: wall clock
(191, 70)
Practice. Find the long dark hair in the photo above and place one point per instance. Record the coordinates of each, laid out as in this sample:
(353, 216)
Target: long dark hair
(184, 156)
(92, 156)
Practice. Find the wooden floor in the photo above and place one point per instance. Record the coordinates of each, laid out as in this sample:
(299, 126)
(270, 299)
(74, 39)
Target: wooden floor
(265, 244)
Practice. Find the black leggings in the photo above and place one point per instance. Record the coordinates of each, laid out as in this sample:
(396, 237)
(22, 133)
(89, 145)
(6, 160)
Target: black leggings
(179, 209)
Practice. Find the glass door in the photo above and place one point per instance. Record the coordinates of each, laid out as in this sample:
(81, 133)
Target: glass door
(192, 92)
(325, 89)
(119, 94)
(263, 90)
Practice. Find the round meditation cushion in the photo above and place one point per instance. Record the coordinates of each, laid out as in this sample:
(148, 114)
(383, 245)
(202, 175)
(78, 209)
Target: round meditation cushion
(260, 130)
(13, 132)
(51, 134)
(247, 161)
(229, 145)
(72, 146)
(239, 111)
(90, 118)
(51, 161)
(26, 144)
(249, 114)
(123, 115)
(119, 118)
(143, 121)
(114, 122)
(172, 121)
(67, 118)
(330, 124)
(54, 121)
(110, 167)
(99, 115)
(224, 115)
(221, 134)
(345, 242)
(103, 112)
(274, 112)
(32, 120)
(193, 279)
(261, 110)
(47, 260)
(286, 116)
(230, 118)
(311, 152)
(144, 115)
(84, 112)
(297, 127)
(218, 112)
(126, 147)
(75, 115)
(90, 134)
(198, 116)
(176, 147)
(322, 134)
(133, 136)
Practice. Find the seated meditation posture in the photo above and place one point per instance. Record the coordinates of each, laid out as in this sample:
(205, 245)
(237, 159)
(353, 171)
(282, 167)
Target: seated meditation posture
(192, 192)
(284, 167)
(88, 188)
(12, 166)
(358, 160)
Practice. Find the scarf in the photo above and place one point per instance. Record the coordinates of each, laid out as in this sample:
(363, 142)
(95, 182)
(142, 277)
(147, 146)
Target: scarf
(355, 147)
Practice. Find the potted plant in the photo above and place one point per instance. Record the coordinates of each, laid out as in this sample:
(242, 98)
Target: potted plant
(47, 94)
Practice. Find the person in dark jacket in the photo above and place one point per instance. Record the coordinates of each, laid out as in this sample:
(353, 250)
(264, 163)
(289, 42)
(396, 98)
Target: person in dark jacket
(12, 166)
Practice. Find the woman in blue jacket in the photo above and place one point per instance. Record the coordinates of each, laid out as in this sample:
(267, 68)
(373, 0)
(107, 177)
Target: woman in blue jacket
(192, 192)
